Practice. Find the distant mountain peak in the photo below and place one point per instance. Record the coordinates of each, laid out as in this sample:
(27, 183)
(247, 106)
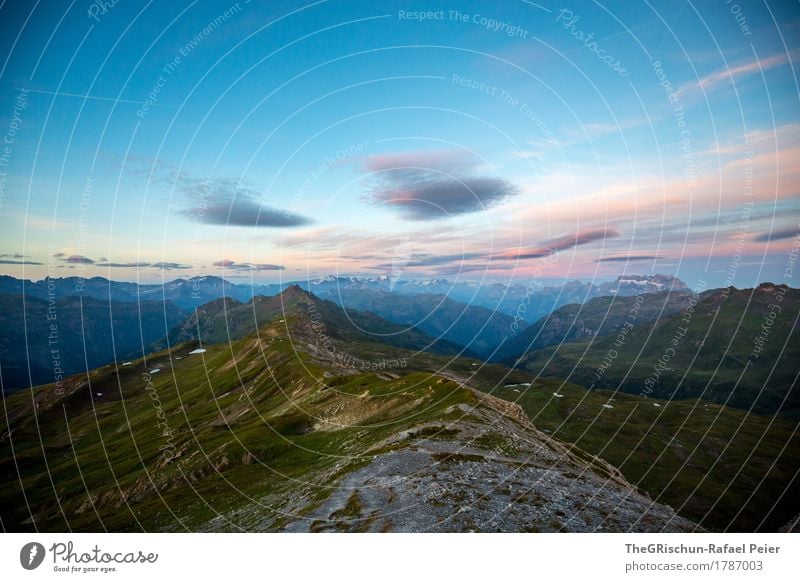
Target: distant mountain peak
(648, 283)
(294, 298)
(295, 290)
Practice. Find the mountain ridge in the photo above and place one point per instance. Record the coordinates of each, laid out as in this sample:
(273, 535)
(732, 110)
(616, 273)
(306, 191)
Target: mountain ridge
(716, 351)
(262, 435)
(529, 301)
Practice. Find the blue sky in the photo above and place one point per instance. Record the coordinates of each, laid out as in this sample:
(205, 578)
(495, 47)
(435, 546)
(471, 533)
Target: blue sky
(471, 140)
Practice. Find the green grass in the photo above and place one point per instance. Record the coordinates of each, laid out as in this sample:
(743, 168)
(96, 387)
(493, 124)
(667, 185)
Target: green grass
(220, 405)
(719, 466)
(710, 354)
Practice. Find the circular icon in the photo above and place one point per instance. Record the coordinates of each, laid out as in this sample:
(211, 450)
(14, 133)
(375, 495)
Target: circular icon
(31, 555)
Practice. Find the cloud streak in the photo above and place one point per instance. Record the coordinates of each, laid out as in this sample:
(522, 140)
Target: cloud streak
(448, 263)
(122, 265)
(553, 246)
(712, 81)
(169, 266)
(105, 263)
(235, 266)
(780, 234)
(13, 262)
(628, 258)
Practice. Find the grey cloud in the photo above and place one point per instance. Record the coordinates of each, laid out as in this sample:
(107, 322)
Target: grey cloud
(581, 237)
(553, 246)
(229, 264)
(465, 268)
(169, 266)
(628, 258)
(428, 260)
(12, 262)
(455, 263)
(246, 213)
(227, 202)
(779, 234)
(123, 265)
(432, 186)
(77, 259)
(166, 266)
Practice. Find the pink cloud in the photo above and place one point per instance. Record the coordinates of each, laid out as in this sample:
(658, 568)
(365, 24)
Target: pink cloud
(708, 82)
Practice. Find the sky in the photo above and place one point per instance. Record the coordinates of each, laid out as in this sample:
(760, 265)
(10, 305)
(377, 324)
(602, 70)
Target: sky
(277, 141)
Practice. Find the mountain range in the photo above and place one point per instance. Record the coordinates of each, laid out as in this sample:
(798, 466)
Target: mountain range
(224, 320)
(597, 317)
(267, 433)
(530, 301)
(289, 413)
(736, 347)
(213, 309)
(477, 328)
(44, 341)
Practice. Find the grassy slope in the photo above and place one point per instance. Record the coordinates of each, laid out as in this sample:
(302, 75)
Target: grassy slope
(89, 332)
(217, 411)
(713, 356)
(231, 379)
(704, 460)
(223, 320)
(478, 328)
(599, 316)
